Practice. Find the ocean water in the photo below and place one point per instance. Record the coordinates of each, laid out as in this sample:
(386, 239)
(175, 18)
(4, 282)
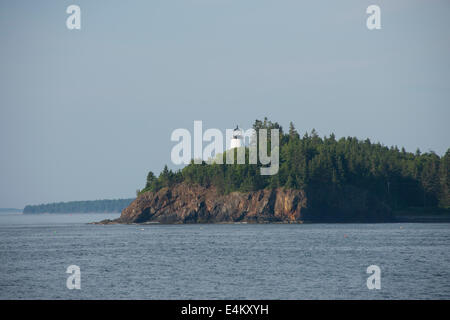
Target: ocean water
(309, 261)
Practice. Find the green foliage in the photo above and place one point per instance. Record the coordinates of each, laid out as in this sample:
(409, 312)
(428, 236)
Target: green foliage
(399, 178)
(444, 199)
(94, 206)
(150, 179)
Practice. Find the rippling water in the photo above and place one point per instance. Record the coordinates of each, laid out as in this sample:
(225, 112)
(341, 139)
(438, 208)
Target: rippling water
(309, 261)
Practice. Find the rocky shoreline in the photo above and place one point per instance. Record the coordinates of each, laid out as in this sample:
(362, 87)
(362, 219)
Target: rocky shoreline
(184, 203)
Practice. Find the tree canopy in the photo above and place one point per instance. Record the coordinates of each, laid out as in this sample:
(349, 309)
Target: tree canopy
(94, 206)
(399, 178)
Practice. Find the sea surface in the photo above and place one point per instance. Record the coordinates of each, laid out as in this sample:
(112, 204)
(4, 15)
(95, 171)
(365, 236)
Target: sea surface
(234, 261)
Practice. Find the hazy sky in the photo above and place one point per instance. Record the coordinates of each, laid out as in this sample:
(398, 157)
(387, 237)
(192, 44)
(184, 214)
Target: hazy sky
(85, 114)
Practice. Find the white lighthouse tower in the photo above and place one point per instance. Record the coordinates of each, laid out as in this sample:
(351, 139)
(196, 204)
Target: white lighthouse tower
(237, 138)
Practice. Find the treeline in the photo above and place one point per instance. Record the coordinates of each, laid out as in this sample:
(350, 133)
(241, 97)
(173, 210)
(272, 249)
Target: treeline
(94, 206)
(10, 210)
(396, 177)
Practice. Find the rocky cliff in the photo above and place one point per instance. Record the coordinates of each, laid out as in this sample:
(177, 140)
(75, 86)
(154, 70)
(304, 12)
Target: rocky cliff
(185, 203)
(196, 204)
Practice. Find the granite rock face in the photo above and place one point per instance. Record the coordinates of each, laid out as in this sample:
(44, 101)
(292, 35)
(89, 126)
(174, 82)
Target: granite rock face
(184, 203)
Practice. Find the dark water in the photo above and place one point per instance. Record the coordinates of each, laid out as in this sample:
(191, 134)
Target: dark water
(309, 261)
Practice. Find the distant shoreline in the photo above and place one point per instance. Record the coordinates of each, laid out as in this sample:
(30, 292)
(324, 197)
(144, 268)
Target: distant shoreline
(10, 210)
(90, 206)
(67, 213)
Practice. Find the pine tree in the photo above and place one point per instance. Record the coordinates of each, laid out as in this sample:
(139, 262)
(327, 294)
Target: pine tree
(150, 179)
(293, 134)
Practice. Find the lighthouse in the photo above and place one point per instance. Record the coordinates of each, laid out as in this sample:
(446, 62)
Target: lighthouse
(236, 139)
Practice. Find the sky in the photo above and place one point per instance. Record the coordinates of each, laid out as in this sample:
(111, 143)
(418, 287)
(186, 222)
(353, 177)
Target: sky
(85, 114)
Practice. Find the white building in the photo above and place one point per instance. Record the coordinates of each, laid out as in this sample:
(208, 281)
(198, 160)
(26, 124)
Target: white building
(237, 140)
